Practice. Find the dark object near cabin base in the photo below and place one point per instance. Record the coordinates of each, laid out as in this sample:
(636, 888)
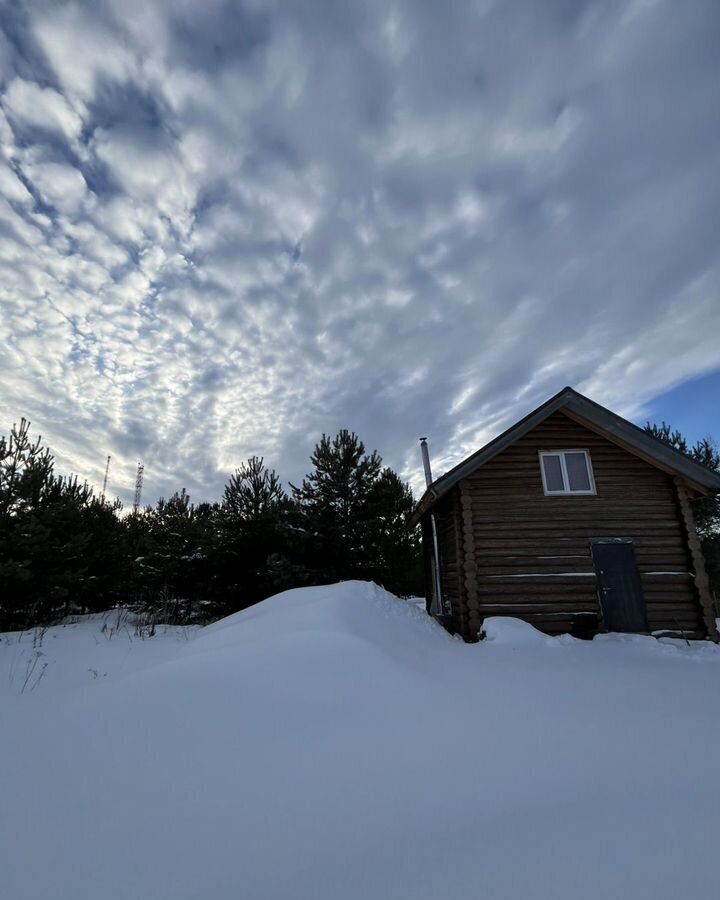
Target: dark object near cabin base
(584, 626)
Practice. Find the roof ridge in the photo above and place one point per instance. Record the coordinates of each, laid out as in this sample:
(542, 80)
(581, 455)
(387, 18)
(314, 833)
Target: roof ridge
(631, 436)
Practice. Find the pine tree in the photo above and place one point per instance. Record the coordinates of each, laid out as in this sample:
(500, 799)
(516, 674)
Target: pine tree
(59, 545)
(397, 561)
(332, 506)
(706, 452)
(666, 434)
(253, 495)
(253, 535)
(25, 469)
(180, 540)
(706, 510)
(353, 514)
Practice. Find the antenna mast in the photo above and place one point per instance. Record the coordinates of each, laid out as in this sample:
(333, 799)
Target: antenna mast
(107, 469)
(138, 487)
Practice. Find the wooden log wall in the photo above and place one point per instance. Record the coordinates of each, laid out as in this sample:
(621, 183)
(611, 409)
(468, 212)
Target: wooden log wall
(532, 553)
(469, 570)
(702, 583)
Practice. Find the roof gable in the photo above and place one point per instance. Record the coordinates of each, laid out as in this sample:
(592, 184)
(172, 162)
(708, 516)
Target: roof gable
(597, 418)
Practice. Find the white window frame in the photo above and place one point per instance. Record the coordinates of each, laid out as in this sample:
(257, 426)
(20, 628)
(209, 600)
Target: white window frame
(566, 492)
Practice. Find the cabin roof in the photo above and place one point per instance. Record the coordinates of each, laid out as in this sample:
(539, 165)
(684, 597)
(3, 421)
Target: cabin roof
(597, 418)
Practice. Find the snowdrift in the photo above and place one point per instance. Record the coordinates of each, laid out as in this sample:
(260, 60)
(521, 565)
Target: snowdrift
(335, 743)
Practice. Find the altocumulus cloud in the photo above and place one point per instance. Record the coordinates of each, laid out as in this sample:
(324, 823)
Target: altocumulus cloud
(227, 227)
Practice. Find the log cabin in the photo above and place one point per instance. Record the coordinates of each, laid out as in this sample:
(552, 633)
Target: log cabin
(576, 521)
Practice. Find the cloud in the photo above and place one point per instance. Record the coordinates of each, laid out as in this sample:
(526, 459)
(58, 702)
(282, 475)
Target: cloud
(225, 230)
(58, 185)
(79, 46)
(11, 187)
(29, 103)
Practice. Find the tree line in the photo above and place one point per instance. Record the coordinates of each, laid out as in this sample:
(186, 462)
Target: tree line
(65, 549)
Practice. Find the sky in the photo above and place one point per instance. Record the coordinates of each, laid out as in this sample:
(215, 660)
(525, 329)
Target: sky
(229, 227)
(693, 407)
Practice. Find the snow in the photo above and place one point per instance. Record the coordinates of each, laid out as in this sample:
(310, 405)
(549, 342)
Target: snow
(513, 632)
(546, 575)
(336, 743)
(71, 656)
(683, 574)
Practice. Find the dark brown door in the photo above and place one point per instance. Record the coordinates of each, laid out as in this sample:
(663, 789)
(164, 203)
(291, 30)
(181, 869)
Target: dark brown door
(621, 596)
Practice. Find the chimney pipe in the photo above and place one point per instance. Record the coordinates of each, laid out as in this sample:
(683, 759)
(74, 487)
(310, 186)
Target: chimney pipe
(426, 461)
(437, 606)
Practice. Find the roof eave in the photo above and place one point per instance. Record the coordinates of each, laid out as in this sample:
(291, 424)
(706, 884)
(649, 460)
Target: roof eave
(425, 503)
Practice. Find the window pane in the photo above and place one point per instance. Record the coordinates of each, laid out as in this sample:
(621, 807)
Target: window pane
(553, 473)
(577, 472)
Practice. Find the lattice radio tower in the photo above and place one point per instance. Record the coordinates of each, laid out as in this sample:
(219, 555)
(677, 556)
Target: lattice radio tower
(138, 487)
(107, 469)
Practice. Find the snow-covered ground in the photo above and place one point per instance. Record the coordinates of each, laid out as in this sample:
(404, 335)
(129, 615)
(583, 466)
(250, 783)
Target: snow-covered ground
(334, 743)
